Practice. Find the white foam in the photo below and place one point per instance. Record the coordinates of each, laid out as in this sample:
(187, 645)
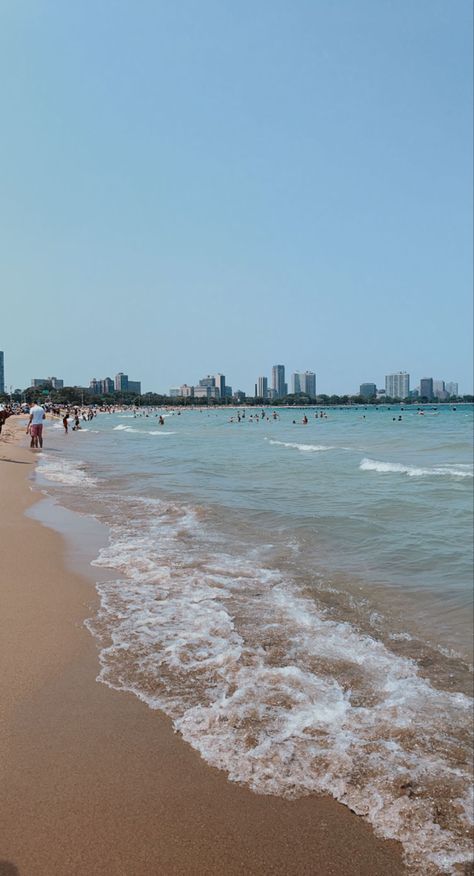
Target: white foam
(130, 429)
(268, 689)
(453, 470)
(64, 471)
(304, 448)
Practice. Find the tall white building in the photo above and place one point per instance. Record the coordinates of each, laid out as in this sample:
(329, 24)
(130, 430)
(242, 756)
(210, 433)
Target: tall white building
(397, 385)
(304, 381)
(296, 382)
(262, 387)
(220, 384)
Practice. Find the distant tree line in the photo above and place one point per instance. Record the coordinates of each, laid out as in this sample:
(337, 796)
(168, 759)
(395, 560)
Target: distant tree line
(77, 395)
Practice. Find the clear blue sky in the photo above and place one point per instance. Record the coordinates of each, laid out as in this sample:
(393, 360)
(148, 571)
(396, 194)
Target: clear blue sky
(223, 185)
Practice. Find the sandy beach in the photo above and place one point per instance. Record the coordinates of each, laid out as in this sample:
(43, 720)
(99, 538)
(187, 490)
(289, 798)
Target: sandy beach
(95, 782)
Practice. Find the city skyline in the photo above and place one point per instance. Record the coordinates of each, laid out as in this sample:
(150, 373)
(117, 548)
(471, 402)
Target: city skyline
(396, 385)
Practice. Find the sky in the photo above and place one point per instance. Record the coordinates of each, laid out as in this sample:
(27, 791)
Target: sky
(200, 186)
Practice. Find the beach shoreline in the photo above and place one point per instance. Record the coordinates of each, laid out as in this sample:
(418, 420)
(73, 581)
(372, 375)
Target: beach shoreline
(96, 782)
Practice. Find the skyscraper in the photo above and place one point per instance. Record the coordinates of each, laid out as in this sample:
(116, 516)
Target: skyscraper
(107, 385)
(304, 382)
(2, 372)
(121, 382)
(296, 382)
(262, 387)
(309, 383)
(452, 388)
(278, 380)
(220, 384)
(426, 388)
(397, 385)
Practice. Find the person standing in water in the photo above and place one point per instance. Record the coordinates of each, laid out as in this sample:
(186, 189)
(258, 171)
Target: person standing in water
(35, 425)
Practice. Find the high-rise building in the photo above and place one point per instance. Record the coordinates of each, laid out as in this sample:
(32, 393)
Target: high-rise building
(426, 388)
(102, 387)
(262, 387)
(304, 382)
(219, 382)
(38, 382)
(439, 390)
(206, 391)
(186, 391)
(296, 382)
(135, 386)
(368, 390)
(121, 382)
(309, 383)
(107, 385)
(278, 381)
(397, 385)
(452, 388)
(208, 381)
(2, 372)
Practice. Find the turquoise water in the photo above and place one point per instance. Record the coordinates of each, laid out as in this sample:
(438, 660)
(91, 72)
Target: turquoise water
(297, 597)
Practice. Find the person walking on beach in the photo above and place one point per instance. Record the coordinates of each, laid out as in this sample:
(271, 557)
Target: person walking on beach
(35, 425)
(66, 422)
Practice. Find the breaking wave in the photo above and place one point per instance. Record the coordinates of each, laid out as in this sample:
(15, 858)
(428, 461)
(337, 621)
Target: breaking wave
(304, 448)
(455, 470)
(267, 688)
(64, 471)
(130, 429)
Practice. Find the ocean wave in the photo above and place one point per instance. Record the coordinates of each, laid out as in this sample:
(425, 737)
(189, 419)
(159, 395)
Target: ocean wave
(270, 690)
(64, 471)
(457, 470)
(304, 448)
(130, 429)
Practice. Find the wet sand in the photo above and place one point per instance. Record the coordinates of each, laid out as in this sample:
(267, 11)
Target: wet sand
(95, 782)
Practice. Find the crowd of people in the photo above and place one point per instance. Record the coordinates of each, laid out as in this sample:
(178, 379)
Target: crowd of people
(70, 415)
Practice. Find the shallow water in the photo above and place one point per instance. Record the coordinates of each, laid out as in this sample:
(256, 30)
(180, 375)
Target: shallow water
(296, 597)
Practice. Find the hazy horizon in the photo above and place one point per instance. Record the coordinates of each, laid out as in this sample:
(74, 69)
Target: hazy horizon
(189, 189)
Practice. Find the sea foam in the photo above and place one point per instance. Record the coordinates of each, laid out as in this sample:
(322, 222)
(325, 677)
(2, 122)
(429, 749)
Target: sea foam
(454, 470)
(270, 690)
(64, 471)
(304, 448)
(130, 429)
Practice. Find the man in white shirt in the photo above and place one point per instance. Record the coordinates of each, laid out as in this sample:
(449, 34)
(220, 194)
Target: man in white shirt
(35, 425)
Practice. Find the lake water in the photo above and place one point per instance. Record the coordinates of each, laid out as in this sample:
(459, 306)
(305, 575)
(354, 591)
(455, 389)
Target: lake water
(297, 597)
